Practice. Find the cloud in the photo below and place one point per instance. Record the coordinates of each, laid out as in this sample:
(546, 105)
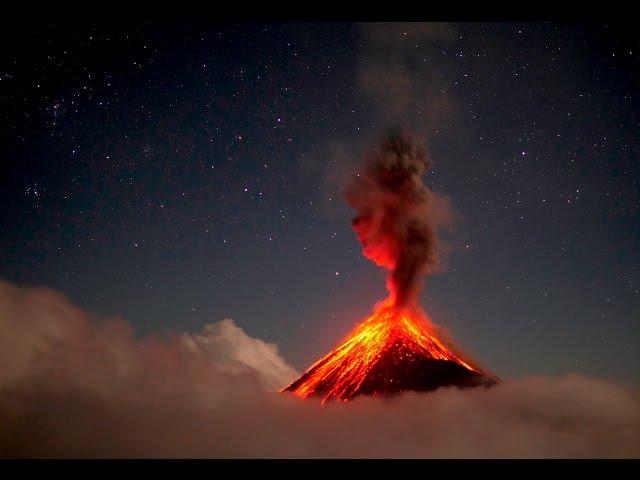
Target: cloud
(228, 347)
(42, 332)
(74, 384)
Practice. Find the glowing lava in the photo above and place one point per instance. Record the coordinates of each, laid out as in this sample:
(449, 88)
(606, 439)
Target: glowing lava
(391, 351)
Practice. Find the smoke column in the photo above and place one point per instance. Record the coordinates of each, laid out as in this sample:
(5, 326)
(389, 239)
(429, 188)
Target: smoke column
(395, 221)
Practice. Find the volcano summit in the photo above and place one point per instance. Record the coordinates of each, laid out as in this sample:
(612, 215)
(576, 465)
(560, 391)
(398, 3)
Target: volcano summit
(397, 348)
(390, 352)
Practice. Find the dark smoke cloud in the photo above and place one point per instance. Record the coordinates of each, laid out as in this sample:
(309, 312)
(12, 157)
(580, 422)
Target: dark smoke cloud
(402, 79)
(72, 385)
(397, 216)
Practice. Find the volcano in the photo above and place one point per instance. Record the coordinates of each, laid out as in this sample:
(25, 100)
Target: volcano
(392, 351)
(397, 348)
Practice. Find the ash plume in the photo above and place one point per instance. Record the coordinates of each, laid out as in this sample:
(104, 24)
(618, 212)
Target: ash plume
(397, 215)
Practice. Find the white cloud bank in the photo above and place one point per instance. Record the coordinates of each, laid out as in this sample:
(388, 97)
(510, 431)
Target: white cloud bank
(73, 385)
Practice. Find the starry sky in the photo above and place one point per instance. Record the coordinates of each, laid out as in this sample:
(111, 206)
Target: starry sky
(176, 174)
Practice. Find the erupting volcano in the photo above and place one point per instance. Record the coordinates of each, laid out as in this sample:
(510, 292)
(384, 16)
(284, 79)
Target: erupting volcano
(397, 348)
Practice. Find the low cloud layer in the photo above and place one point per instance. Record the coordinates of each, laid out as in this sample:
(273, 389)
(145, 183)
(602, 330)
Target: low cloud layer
(76, 385)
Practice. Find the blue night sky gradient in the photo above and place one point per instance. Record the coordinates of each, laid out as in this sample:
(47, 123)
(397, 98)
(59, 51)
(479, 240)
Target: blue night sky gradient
(159, 172)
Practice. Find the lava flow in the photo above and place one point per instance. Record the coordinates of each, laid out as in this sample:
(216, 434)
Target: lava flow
(397, 348)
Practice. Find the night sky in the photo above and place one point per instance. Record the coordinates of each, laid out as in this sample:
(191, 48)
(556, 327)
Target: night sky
(176, 174)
